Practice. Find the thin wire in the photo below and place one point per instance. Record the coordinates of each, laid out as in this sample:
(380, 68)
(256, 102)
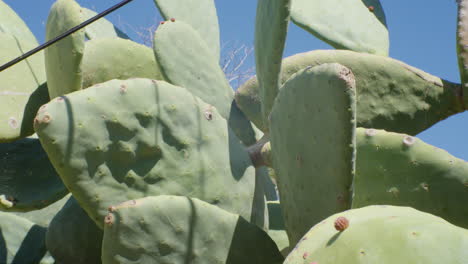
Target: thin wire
(62, 36)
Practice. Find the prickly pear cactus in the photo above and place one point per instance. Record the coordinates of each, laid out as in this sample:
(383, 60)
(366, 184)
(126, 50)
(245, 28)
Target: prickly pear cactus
(382, 234)
(314, 167)
(63, 60)
(72, 237)
(151, 138)
(106, 59)
(23, 89)
(410, 173)
(357, 25)
(167, 166)
(271, 28)
(392, 95)
(199, 14)
(177, 229)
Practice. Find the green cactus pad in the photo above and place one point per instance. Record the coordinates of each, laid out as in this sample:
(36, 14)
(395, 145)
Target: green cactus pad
(384, 235)
(143, 137)
(23, 89)
(101, 28)
(20, 240)
(195, 68)
(72, 237)
(200, 14)
(271, 28)
(105, 59)
(462, 46)
(28, 180)
(176, 229)
(312, 130)
(391, 95)
(63, 59)
(398, 169)
(12, 24)
(192, 66)
(343, 24)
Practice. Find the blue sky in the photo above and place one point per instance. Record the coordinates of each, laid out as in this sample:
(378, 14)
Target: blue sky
(422, 34)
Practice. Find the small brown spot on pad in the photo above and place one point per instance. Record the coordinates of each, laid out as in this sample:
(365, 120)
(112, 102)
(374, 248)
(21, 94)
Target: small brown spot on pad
(341, 223)
(13, 123)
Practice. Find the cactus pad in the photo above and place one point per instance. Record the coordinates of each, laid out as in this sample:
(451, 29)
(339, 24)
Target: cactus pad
(23, 89)
(199, 14)
(114, 58)
(12, 24)
(195, 68)
(383, 234)
(354, 27)
(397, 169)
(177, 229)
(143, 137)
(312, 130)
(63, 59)
(271, 28)
(192, 66)
(391, 95)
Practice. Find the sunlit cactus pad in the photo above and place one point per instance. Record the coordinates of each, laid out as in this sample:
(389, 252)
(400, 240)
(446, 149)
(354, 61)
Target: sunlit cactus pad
(382, 234)
(397, 169)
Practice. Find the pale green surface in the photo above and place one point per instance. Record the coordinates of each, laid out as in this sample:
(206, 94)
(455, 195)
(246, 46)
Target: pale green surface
(140, 137)
(271, 28)
(63, 59)
(192, 66)
(177, 229)
(20, 92)
(12, 24)
(312, 130)
(196, 69)
(396, 169)
(342, 24)
(200, 14)
(384, 235)
(105, 59)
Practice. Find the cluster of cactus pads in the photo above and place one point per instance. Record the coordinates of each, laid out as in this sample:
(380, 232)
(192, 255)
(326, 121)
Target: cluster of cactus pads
(113, 152)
